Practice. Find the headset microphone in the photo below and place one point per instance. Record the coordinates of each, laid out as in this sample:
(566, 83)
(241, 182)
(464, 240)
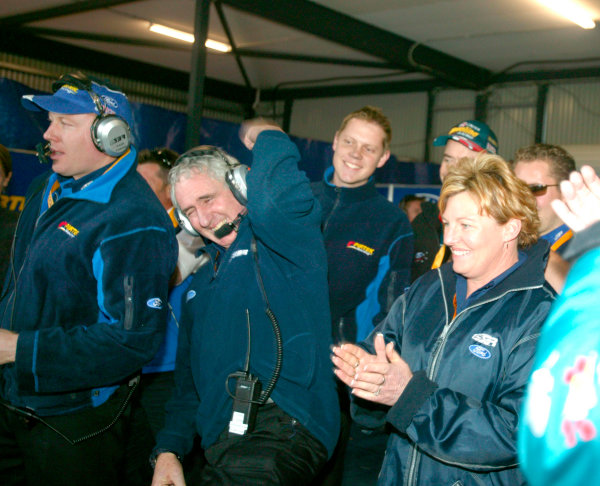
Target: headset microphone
(225, 229)
(43, 152)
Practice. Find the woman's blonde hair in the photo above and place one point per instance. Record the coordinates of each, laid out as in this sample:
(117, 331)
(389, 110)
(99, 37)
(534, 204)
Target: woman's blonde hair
(500, 193)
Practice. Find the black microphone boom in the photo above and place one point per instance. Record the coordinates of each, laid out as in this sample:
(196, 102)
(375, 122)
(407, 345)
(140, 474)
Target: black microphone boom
(43, 152)
(227, 228)
(224, 230)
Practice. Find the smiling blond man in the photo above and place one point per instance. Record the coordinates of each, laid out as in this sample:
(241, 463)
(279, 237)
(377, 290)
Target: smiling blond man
(369, 241)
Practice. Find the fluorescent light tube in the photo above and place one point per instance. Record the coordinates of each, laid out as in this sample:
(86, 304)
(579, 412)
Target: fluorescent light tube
(217, 46)
(571, 11)
(176, 34)
(184, 36)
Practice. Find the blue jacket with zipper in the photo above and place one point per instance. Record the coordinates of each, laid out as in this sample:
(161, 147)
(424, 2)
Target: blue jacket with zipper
(456, 422)
(283, 219)
(86, 289)
(369, 244)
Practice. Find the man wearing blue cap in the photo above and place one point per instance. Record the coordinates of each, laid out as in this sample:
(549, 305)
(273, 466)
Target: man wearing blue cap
(84, 304)
(463, 140)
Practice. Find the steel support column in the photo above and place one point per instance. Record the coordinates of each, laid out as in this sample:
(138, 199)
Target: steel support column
(197, 75)
(540, 113)
(481, 106)
(429, 126)
(287, 114)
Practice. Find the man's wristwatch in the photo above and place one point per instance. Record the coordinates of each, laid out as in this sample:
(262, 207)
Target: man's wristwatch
(159, 451)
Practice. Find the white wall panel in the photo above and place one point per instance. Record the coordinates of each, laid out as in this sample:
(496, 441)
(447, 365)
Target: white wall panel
(511, 114)
(573, 114)
(320, 118)
(451, 107)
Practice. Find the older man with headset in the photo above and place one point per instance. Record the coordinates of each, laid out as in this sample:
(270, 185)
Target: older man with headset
(84, 305)
(252, 375)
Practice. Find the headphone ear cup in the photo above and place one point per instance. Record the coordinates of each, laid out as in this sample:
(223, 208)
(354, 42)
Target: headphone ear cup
(111, 135)
(236, 181)
(184, 222)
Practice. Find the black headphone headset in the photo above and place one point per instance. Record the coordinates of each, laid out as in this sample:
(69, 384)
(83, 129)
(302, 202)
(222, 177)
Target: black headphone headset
(110, 133)
(235, 178)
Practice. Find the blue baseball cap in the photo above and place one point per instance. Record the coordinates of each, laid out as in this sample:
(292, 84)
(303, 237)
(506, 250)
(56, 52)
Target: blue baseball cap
(73, 99)
(473, 134)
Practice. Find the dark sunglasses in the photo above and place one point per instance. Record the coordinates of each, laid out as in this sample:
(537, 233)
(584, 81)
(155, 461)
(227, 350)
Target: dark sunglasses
(540, 189)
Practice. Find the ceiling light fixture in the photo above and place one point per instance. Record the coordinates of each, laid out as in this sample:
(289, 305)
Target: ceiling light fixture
(217, 46)
(572, 11)
(184, 36)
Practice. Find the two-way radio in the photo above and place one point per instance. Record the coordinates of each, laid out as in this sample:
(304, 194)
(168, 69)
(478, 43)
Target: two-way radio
(248, 395)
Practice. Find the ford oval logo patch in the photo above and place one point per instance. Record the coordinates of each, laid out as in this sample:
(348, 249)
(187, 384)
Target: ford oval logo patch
(110, 102)
(480, 351)
(154, 303)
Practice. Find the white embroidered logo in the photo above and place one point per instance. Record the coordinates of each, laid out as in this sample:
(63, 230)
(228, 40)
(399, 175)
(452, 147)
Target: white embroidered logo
(238, 253)
(485, 339)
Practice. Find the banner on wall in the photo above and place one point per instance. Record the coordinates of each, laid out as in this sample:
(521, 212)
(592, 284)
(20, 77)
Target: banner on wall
(395, 192)
(26, 167)
(21, 130)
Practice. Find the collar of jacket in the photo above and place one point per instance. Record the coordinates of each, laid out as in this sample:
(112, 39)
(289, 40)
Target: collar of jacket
(582, 242)
(529, 274)
(349, 194)
(100, 190)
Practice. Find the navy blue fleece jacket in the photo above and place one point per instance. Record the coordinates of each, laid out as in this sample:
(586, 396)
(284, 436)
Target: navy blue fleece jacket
(284, 219)
(369, 244)
(86, 289)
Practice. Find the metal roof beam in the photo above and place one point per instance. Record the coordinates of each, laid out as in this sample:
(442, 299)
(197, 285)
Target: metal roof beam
(27, 45)
(414, 86)
(94, 36)
(548, 75)
(358, 89)
(60, 11)
(245, 52)
(179, 46)
(232, 43)
(342, 29)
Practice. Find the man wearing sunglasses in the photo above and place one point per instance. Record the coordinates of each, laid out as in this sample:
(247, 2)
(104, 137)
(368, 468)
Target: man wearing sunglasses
(543, 166)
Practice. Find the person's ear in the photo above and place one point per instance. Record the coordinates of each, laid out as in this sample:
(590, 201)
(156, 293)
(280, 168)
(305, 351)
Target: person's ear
(511, 229)
(6, 180)
(384, 158)
(335, 141)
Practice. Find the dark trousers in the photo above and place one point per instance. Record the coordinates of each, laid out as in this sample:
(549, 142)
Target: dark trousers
(280, 451)
(32, 453)
(148, 418)
(333, 472)
(155, 391)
